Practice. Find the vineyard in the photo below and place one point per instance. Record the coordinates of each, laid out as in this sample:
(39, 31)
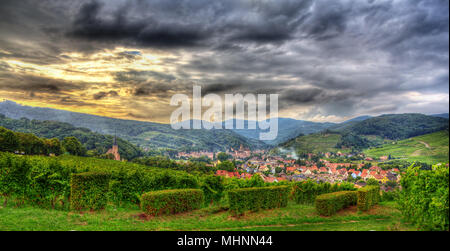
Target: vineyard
(134, 193)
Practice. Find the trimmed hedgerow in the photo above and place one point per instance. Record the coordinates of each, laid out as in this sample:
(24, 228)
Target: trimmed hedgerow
(45, 181)
(328, 204)
(256, 198)
(305, 192)
(89, 190)
(171, 201)
(368, 196)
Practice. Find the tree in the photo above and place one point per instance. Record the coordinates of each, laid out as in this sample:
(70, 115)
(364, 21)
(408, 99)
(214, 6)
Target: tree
(8, 140)
(256, 181)
(53, 146)
(213, 188)
(372, 182)
(278, 169)
(73, 146)
(226, 165)
(223, 156)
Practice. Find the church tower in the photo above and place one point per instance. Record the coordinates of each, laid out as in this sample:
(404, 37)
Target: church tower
(115, 149)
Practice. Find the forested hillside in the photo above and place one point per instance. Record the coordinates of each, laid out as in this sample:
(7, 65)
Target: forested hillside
(370, 132)
(140, 133)
(97, 142)
(397, 126)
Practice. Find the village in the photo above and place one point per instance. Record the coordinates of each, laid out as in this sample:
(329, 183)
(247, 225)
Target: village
(323, 167)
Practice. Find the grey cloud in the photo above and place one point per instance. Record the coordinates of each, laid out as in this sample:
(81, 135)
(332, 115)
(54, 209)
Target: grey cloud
(100, 95)
(339, 57)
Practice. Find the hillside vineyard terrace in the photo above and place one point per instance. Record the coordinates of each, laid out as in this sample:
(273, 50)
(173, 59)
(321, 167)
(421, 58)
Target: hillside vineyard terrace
(212, 117)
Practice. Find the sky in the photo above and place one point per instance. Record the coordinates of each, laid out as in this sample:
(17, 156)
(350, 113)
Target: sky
(329, 60)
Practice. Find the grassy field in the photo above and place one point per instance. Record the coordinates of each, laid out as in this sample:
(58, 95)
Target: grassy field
(317, 142)
(384, 217)
(429, 148)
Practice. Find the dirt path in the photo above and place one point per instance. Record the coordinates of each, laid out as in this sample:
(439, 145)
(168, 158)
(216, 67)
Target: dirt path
(426, 144)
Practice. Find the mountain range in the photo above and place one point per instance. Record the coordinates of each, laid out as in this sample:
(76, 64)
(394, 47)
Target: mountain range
(156, 135)
(147, 135)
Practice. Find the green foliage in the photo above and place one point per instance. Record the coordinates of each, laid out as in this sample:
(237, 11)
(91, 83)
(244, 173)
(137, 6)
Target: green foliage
(256, 198)
(28, 132)
(305, 192)
(430, 148)
(329, 203)
(14, 176)
(223, 156)
(213, 188)
(9, 141)
(398, 126)
(255, 181)
(45, 181)
(424, 198)
(171, 201)
(27, 143)
(89, 190)
(73, 146)
(368, 196)
(351, 140)
(226, 165)
(372, 182)
(164, 162)
(315, 143)
(144, 134)
(389, 195)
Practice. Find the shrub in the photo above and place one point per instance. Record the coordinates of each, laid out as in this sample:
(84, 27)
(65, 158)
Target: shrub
(372, 182)
(389, 195)
(45, 181)
(89, 190)
(424, 198)
(328, 204)
(256, 198)
(14, 177)
(306, 192)
(368, 196)
(171, 201)
(213, 188)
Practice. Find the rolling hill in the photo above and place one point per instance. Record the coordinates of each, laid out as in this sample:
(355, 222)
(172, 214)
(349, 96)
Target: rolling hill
(52, 129)
(314, 143)
(429, 148)
(287, 129)
(396, 126)
(369, 132)
(140, 133)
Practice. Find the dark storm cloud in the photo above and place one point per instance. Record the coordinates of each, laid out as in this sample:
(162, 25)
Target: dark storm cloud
(166, 24)
(161, 89)
(336, 57)
(100, 95)
(142, 76)
(30, 83)
(306, 95)
(148, 32)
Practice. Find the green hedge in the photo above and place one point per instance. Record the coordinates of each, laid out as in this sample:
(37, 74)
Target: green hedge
(424, 197)
(45, 181)
(171, 201)
(89, 190)
(328, 204)
(368, 196)
(256, 198)
(305, 192)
